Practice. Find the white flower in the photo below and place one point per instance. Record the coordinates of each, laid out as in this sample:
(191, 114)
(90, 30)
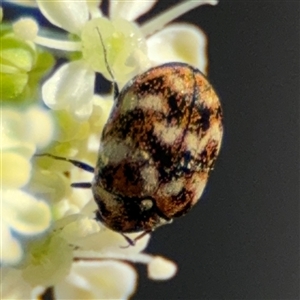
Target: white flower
(106, 279)
(13, 286)
(128, 48)
(23, 216)
(88, 273)
(22, 133)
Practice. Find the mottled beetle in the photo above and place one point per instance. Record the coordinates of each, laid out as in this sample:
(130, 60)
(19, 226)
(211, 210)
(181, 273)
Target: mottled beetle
(157, 148)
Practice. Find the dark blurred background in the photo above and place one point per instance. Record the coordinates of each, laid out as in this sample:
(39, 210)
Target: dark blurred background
(241, 241)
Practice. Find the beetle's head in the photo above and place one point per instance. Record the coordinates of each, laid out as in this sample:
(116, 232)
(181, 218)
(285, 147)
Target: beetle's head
(124, 214)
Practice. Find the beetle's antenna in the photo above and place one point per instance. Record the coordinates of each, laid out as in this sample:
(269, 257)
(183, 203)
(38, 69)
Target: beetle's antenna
(115, 86)
(76, 163)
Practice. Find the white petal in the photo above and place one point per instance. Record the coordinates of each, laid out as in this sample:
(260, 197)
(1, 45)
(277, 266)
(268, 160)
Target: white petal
(40, 127)
(25, 214)
(79, 230)
(72, 86)
(161, 269)
(13, 136)
(82, 110)
(49, 262)
(15, 170)
(68, 14)
(129, 10)
(97, 280)
(94, 8)
(11, 251)
(158, 22)
(12, 128)
(107, 240)
(53, 184)
(180, 43)
(13, 285)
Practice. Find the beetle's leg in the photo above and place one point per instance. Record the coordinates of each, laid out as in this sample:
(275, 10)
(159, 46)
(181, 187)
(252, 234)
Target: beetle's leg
(129, 241)
(142, 235)
(133, 242)
(76, 163)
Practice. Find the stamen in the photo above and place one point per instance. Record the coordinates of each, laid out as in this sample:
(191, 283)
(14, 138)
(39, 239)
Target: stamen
(92, 255)
(159, 268)
(58, 44)
(159, 22)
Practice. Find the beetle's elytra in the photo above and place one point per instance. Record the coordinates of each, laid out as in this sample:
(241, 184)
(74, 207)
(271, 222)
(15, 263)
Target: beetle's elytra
(157, 148)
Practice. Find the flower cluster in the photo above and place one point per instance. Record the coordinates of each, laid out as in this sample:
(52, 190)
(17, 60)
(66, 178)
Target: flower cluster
(49, 237)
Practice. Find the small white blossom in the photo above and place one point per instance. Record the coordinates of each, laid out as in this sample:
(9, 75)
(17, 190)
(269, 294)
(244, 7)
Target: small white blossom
(13, 286)
(71, 88)
(22, 215)
(22, 133)
(106, 279)
(129, 49)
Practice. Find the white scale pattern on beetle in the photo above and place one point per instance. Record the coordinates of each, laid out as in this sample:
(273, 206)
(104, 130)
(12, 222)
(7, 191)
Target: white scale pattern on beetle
(150, 177)
(167, 134)
(172, 188)
(152, 102)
